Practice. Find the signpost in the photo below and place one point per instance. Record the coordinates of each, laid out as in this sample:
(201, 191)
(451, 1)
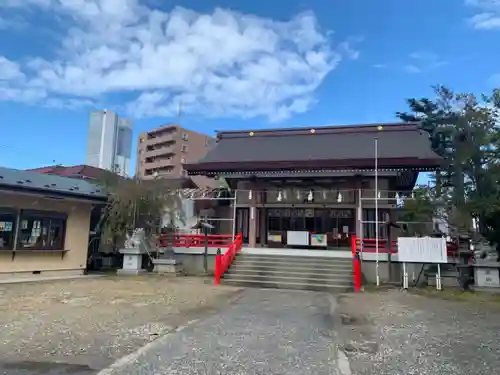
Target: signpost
(422, 250)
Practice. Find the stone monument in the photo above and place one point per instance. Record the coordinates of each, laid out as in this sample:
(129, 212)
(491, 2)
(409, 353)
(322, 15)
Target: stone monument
(167, 263)
(486, 269)
(136, 245)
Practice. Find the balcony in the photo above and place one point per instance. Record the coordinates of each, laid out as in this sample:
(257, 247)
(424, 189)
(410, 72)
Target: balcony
(169, 151)
(158, 163)
(169, 137)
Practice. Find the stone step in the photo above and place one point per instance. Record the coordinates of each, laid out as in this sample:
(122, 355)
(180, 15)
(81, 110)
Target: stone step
(305, 279)
(292, 265)
(275, 283)
(293, 274)
(290, 269)
(289, 258)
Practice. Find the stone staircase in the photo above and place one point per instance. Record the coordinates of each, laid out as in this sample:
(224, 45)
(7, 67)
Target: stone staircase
(291, 272)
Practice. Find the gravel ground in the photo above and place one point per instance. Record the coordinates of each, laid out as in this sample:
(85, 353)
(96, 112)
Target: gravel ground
(264, 332)
(395, 332)
(80, 326)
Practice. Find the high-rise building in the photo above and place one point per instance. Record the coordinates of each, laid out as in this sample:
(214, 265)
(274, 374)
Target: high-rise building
(162, 152)
(109, 142)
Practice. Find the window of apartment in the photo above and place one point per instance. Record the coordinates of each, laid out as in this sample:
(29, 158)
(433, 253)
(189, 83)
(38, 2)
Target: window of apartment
(185, 136)
(141, 140)
(41, 230)
(183, 160)
(184, 148)
(7, 228)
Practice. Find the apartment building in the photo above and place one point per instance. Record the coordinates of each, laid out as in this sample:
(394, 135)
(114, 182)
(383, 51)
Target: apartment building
(163, 151)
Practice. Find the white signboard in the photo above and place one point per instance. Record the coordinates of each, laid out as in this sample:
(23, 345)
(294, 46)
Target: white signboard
(297, 238)
(422, 250)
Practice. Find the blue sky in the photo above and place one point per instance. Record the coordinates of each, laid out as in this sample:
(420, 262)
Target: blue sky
(257, 64)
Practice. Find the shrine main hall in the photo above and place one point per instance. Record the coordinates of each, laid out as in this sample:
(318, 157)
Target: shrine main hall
(315, 187)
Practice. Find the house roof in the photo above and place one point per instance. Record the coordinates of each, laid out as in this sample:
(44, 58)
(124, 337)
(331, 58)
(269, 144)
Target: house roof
(399, 145)
(14, 179)
(79, 171)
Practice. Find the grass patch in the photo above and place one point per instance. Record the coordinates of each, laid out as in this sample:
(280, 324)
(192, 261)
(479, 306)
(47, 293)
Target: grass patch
(457, 295)
(373, 288)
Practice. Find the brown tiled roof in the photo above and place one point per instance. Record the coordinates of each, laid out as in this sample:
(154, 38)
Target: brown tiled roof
(399, 145)
(79, 171)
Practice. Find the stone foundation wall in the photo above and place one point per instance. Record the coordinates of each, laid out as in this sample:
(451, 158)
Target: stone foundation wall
(192, 264)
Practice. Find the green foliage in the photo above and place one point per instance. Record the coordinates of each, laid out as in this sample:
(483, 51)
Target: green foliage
(420, 207)
(135, 203)
(465, 131)
(418, 211)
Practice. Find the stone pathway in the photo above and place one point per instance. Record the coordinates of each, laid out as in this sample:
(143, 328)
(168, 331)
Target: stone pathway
(83, 325)
(393, 333)
(264, 332)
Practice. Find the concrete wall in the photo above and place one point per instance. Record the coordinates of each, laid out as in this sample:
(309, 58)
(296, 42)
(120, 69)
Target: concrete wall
(388, 272)
(192, 264)
(50, 263)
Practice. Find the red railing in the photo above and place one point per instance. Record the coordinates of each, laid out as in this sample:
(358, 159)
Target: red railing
(224, 261)
(196, 240)
(369, 245)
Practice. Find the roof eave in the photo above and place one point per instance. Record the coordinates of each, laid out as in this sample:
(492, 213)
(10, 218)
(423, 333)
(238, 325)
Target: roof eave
(46, 192)
(314, 164)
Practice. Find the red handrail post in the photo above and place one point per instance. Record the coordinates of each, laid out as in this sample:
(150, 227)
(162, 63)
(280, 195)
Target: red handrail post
(357, 273)
(223, 262)
(356, 264)
(218, 267)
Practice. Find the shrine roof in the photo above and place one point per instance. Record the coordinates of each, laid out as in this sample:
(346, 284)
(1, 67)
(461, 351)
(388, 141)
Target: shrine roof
(335, 147)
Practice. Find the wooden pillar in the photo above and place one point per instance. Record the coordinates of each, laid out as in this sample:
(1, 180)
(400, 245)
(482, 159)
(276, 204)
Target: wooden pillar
(358, 212)
(263, 220)
(252, 217)
(391, 236)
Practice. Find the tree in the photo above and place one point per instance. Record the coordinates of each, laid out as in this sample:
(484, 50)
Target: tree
(419, 210)
(135, 203)
(465, 131)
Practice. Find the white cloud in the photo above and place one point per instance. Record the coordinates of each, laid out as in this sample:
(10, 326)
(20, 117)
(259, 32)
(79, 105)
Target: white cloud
(24, 3)
(9, 70)
(219, 64)
(12, 23)
(485, 21)
(487, 16)
(423, 61)
(410, 68)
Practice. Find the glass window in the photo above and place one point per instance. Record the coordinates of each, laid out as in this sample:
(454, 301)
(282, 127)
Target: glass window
(7, 229)
(41, 230)
(185, 136)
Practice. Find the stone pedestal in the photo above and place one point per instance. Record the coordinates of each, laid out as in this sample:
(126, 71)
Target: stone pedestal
(487, 276)
(168, 266)
(132, 262)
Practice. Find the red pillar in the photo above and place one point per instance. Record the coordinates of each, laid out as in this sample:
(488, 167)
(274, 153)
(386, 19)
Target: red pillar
(356, 265)
(218, 267)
